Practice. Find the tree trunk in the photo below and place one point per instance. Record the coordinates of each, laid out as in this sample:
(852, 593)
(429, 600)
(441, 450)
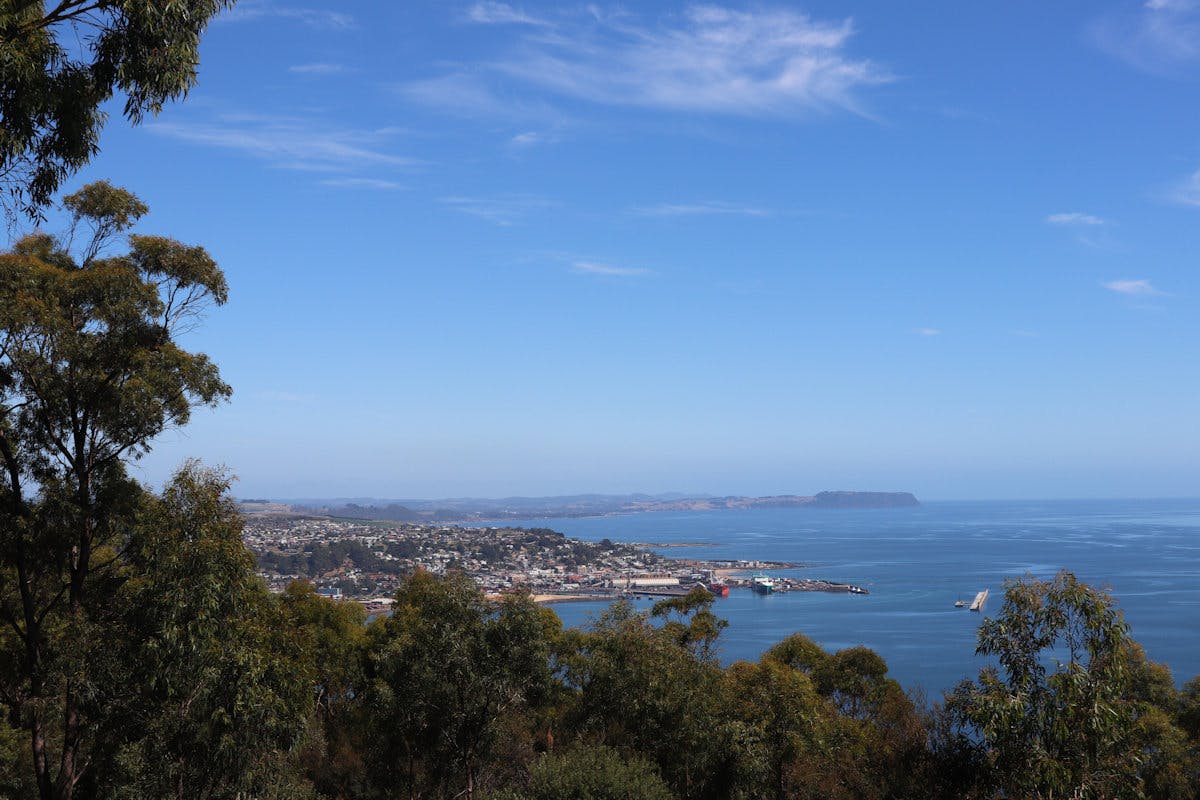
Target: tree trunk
(68, 773)
(40, 766)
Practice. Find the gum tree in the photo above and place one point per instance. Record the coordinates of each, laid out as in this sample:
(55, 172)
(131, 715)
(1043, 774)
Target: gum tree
(61, 61)
(90, 373)
(1058, 717)
(448, 671)
(206, 682)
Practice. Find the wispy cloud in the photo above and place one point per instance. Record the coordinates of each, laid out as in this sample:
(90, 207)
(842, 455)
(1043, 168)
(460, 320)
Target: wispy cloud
(528, 139)
(502, 210)
(709, 208)
(471, 93)
(596, 268)
(290, 142)
(318, 68)
(1132, 288)
(249, 10)
(492, 13)
(1075, 218)
(928, 332)
(1162, 36)
(708, 59)
(362, 183)
(1188, 192)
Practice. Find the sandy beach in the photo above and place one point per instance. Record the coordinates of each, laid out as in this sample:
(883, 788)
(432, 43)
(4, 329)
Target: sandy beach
(567, 598)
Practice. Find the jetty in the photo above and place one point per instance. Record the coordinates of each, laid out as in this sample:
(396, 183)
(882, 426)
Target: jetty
(980, 599)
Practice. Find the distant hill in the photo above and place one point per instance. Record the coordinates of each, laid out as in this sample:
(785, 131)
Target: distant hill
(864, 500)
(587, 505)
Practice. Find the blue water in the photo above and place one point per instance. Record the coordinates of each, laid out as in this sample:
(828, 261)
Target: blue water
(917, 562)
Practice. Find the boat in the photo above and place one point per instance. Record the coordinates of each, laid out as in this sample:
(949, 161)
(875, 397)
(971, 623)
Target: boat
(980, 599)
(960, 603)
(761, 583)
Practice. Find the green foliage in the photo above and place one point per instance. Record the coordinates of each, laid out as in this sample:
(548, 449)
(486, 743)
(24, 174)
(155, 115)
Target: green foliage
(214, 689)
(1059, 717)
(53, 82)
(798, 652)
(783, 723)
(334, 642)
(590, 773)
(325, 556)
(90, 373)
(649, 689)
(447, 668)
(16, 780)
(1189, 708)
(690, 621)
(863, 737)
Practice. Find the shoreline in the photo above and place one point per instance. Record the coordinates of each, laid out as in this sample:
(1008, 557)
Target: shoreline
(551, 599)
(667, 545)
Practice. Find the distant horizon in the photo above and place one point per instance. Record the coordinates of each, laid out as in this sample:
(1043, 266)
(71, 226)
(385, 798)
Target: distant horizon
(374, 500)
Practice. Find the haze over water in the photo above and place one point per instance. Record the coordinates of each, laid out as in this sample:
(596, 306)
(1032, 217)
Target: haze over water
(917, 562)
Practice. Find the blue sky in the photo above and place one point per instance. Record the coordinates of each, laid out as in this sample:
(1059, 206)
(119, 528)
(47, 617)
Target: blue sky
(490, 249)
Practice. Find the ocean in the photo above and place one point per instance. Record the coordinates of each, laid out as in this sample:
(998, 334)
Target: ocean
(917, 561)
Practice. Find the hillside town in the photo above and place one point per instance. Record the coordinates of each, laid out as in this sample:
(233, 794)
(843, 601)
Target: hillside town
(366, 561)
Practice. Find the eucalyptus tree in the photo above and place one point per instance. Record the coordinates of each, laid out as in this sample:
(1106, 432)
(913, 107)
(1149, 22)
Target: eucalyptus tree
(655, 689)
(450, 671)
(590, 773)
(60, 62)
(206, 684)
(333, 636)
(91, 371)
(1058, 717)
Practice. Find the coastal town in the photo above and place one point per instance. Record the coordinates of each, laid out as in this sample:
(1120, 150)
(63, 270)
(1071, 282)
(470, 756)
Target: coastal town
(366, 561)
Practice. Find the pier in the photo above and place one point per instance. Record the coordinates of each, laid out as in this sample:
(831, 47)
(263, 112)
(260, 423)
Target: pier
(980, 599)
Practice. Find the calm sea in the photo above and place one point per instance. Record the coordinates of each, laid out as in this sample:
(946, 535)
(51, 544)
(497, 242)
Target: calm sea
(917, 562)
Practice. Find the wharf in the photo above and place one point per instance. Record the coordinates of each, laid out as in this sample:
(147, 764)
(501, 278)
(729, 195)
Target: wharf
(980, 599)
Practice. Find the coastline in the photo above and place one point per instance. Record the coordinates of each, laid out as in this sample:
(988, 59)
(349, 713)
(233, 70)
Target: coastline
(551, 599)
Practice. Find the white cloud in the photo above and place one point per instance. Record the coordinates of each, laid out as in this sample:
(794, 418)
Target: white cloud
(361, 183)
(504, 210)
(492, 13)
(708, 59)
(710, 208)
(1163, 36)
(468, 92)
(1075, 218)
(527, 139)
(929, 332)
(595, 268)
(318, 68)
(1170, 5)
(1189, 192)
(250, 10)
(289, 142)
(1133, 288)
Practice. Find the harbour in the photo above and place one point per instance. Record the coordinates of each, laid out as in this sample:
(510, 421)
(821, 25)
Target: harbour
(915, 562)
